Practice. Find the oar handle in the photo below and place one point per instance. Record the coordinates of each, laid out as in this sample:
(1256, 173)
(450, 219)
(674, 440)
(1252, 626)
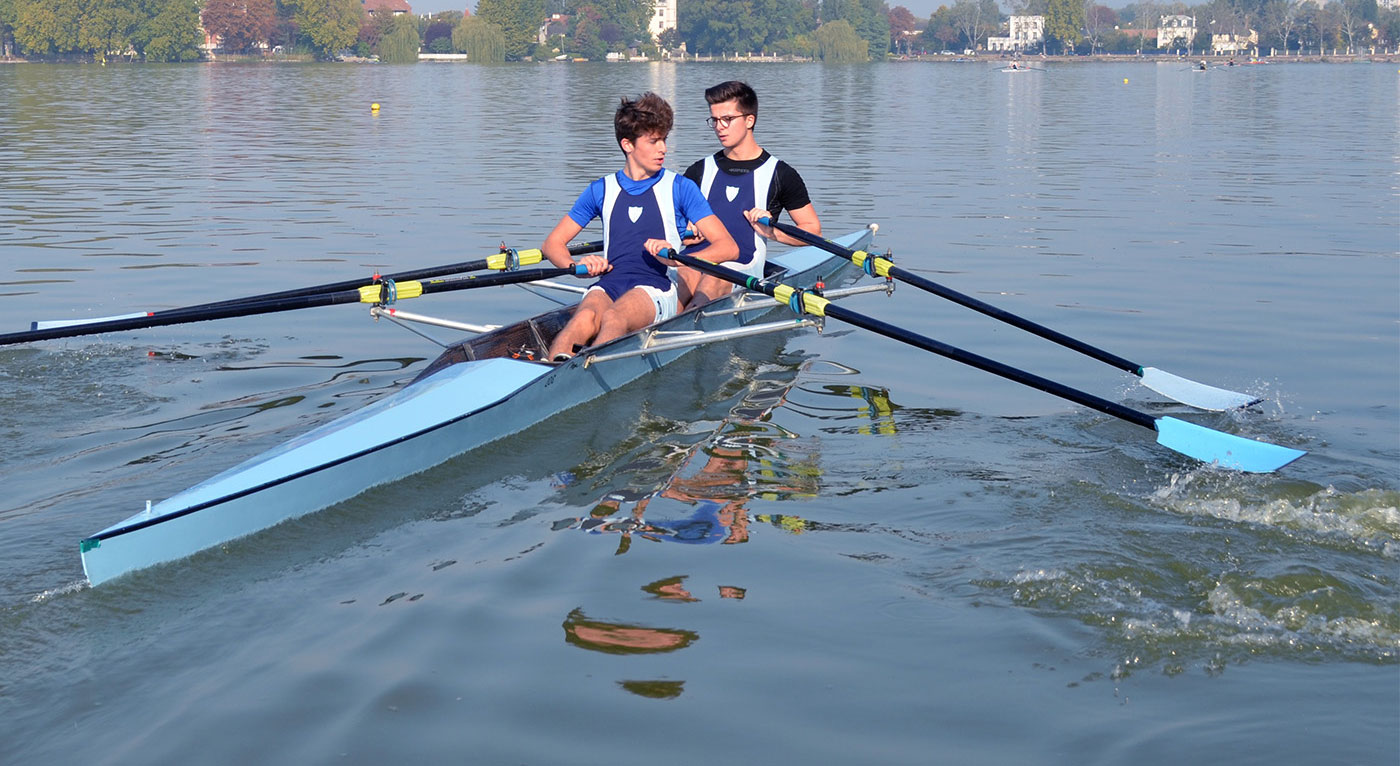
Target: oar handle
(888, 268)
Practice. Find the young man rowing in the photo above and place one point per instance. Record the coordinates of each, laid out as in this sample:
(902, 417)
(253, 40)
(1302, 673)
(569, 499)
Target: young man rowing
(643, 207)
(743, 183)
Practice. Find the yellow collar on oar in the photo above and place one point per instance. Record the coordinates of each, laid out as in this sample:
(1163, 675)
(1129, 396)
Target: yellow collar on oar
(879, 266)
(811, 302)
(376, 293)
(522, 258)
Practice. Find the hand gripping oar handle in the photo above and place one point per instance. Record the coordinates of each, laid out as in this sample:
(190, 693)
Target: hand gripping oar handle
(384, 292)
(1173, 386)
(1195, 441)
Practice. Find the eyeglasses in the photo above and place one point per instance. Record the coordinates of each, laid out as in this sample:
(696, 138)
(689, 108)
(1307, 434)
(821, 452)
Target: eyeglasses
(724, 121)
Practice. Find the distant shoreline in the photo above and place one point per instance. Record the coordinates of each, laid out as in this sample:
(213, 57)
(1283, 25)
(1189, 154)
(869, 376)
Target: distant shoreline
(1000, 59)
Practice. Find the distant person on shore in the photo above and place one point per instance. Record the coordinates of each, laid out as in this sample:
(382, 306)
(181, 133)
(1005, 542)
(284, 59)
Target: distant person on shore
(643, 207)
(743, 183)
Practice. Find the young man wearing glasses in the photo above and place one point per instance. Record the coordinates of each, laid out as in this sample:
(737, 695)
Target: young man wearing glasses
(743, 183)
(643, 208)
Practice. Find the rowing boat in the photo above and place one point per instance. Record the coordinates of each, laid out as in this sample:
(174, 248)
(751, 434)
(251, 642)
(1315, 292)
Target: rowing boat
(481, 389)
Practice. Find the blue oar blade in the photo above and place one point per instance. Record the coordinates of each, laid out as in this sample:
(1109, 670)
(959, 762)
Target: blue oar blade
(1226, 450)
(1197, 395)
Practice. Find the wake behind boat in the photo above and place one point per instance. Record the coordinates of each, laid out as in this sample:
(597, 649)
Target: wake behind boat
(479, 390)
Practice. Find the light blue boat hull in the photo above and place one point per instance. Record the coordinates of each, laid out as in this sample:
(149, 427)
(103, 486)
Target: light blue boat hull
(451, 411)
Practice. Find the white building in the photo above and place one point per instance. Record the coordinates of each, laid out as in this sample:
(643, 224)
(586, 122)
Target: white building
(662, 18)
(1229, 45)
(1173, 28)
(1023, 32)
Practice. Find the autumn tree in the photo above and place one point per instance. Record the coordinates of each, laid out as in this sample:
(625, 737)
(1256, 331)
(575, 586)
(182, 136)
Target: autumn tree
(240, 24)
(373, 28)
(437, 35)
(1098, 20)
(585, 33)
(902, 26)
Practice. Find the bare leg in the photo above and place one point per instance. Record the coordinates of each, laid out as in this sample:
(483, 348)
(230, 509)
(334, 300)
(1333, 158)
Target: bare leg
(633, 311)
(711, 288)
(687, 280)
(584, 324)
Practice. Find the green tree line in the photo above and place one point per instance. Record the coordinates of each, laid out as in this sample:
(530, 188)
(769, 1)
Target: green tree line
(1087, 27)
(156, 30)
(833, 30)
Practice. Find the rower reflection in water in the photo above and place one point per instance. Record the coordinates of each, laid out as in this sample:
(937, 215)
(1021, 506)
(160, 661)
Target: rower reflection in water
(749, 457)
(623, 638)
(743, 460)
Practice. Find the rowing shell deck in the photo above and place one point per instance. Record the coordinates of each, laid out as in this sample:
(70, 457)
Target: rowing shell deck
(473, 394)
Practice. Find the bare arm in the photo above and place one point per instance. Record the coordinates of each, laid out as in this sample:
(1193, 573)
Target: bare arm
(804, 218)
(722, 247)
(556, 248)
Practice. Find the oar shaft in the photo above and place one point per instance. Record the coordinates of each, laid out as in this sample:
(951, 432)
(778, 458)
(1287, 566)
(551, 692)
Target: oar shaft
(813, 304)
(179, 316)
(991, 365)
(963, 299)
(1012, 319)
(526, 257)
(387, 291)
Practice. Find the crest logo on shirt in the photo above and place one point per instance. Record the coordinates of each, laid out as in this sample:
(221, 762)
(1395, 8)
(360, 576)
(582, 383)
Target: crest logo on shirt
(634, 213)
(730, 192)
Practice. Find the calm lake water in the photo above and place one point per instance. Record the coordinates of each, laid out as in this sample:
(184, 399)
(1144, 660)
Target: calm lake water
(922, 564)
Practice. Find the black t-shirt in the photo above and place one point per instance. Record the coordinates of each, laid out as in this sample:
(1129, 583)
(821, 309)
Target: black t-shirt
(787, 191)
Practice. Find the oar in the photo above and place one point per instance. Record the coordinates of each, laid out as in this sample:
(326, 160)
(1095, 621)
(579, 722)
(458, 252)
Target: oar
(385, 292)
(1199, 442)
(507, 259)
(1175, 387)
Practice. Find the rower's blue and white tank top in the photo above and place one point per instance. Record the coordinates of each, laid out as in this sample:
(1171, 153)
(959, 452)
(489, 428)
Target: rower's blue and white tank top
(633, 212)
(730, 196)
